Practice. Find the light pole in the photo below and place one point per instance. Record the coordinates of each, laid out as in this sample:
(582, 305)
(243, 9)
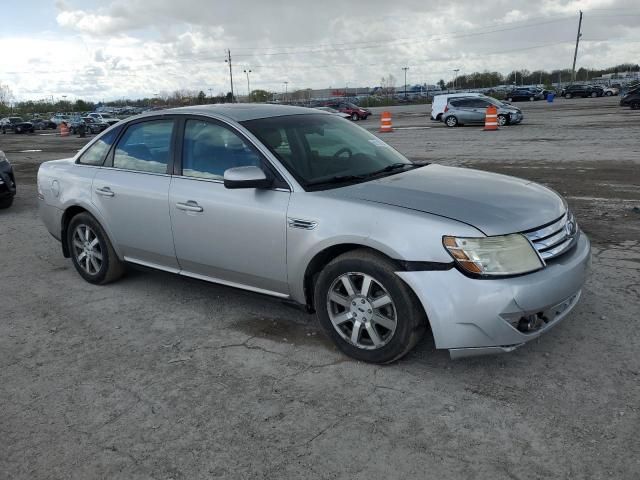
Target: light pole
(455, 78)
(405, 80)
(247, 72)
(285, 90)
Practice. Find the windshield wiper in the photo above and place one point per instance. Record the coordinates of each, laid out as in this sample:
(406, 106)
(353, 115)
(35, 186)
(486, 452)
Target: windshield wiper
(391, 168)
(337, 179)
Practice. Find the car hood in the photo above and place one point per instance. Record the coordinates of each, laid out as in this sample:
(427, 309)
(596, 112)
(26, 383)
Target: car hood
(494, 204)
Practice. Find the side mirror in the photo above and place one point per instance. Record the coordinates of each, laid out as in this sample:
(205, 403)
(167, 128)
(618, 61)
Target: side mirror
(246, 177)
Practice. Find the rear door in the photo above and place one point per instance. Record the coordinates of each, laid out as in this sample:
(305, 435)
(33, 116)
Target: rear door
(464, 109)
(233, 236)
(131, 192)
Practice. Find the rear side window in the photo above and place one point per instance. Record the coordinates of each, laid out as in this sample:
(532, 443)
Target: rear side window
(97, 152)
(145, 147)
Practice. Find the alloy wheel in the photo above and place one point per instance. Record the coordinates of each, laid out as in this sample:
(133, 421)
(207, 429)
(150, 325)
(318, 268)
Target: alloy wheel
(361, 310)
(87, 249)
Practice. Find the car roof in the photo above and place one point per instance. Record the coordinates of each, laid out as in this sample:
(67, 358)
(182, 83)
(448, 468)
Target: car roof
(240, 112)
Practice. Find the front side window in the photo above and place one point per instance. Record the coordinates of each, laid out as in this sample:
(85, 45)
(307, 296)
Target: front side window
(145, 147)
(210, 149)
(95, 154)
(320, 149)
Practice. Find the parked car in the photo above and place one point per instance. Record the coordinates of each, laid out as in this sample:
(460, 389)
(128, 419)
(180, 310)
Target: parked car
(42, 124)
(95, 126)
(7, 182)
(528, 94)
(300, 205)
(100, 117)
(472, 110)
(610, 91)
(631, 99)
(16, 124)
(58, 119)
(354, 111)
(583, 91)
(440, 103)
(334, 112)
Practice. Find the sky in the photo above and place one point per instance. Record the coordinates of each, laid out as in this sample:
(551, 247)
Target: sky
(113, 49)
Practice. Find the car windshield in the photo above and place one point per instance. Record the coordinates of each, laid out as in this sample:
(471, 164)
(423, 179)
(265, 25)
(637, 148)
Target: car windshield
(324, 151)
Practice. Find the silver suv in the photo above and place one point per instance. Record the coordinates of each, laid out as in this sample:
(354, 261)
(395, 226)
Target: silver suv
(472, 110)
(306, 206)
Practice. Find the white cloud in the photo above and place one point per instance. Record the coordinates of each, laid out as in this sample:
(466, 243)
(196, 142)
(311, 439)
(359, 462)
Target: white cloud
(141, 47)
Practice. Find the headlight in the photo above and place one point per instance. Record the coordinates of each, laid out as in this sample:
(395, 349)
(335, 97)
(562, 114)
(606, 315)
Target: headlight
(493, 256)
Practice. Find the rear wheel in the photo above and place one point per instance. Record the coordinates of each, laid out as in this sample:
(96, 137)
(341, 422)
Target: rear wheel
(366, 309)
(608, 94)
(355, 117)
(451, 121)
(91, 251)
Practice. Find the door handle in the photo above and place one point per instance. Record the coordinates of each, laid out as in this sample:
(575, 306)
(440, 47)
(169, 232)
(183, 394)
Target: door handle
(189, 206)
(105, 192)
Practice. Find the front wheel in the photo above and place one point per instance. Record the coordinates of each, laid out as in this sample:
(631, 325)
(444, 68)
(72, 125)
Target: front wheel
(355, 117)
(594, 94)
(366, 309)
(451, 121)
(502, 120)
(91, 251)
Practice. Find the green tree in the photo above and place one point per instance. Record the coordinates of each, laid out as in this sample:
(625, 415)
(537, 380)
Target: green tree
(202, 98)
(260, 96)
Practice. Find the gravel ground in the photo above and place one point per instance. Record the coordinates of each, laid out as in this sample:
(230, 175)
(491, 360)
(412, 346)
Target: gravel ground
(163, 377)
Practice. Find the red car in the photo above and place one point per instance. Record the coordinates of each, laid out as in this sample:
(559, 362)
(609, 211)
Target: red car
(354, 111)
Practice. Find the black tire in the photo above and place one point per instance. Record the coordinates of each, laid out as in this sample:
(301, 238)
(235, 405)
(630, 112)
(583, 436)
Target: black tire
(635, 105)
(531, 99)
(594, 94)
(503, 120)
(567, 96)
(111, 268)
(355, 117)
(411, 322)
(608, 94)
(6, 202)
(18, 130)
(451, 121)
(510, 99)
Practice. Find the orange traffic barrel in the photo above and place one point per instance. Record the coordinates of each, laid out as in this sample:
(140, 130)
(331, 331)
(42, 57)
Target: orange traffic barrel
(64, 130)
(491, 118)
(385, 122)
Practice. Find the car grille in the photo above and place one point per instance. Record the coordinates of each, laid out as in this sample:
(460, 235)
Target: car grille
(555, 238)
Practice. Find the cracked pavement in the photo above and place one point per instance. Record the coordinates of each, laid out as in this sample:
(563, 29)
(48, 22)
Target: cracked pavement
(161, 377)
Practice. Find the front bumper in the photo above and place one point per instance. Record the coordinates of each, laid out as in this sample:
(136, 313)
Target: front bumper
(480, 316)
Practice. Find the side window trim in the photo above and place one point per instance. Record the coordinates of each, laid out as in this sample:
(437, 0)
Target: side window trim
(282, 183)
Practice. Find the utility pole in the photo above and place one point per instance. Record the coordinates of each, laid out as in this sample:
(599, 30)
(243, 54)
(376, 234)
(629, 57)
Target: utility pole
(285, 90)
(405, 80)
(575, 53)
(455, 78)
(248, 86)
(228, 60)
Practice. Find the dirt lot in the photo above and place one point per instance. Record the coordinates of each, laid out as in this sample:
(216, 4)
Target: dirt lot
(161, 377)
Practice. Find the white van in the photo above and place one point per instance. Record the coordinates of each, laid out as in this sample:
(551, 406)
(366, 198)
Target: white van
(440, 102)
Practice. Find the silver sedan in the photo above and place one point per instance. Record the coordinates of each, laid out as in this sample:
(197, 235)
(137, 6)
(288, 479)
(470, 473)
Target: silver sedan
(305, 206)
